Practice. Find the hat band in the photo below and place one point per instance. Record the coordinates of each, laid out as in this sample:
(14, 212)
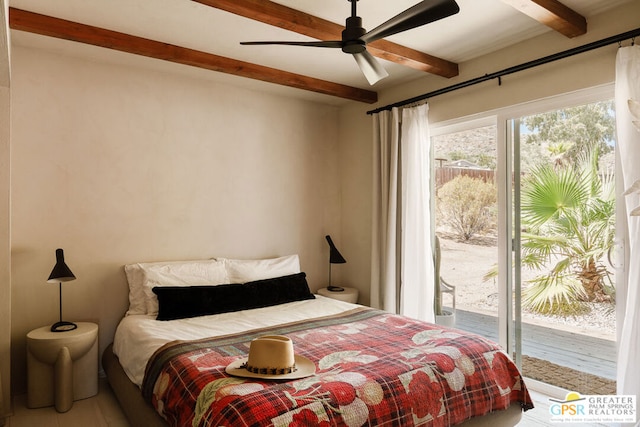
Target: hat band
(269, 371)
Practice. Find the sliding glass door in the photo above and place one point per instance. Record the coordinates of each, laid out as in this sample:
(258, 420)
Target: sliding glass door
(466, 218)
(525, 217)
(563, 216)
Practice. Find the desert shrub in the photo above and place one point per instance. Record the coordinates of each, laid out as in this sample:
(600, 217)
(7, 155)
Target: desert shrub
(467, 205)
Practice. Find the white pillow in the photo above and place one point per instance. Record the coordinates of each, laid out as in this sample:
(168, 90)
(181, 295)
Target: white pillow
(248, 270)
(136, 295)
(143, 277)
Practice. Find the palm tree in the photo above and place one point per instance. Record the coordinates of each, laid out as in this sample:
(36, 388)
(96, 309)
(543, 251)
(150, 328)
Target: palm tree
(560, 152)
(568, 213)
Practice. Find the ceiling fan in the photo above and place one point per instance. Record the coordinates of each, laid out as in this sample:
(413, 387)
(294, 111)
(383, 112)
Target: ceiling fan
(355, 38)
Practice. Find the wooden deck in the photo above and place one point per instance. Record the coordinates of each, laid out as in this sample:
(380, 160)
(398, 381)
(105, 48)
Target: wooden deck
(581, 352)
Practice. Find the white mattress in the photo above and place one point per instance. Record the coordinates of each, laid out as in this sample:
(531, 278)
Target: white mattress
(139, 336)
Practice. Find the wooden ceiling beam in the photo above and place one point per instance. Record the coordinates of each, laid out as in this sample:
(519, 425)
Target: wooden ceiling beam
(299, 22)
(54, 27)
(553, 14)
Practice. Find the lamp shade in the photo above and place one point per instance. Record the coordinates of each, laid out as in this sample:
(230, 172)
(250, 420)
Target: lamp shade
(334, 255)
(61, 272)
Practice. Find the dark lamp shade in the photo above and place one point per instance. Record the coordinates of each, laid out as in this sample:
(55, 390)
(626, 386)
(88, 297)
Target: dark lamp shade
(334, 255)
(60, 272)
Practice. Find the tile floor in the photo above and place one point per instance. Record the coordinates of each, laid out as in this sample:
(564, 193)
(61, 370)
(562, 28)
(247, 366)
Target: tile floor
(103, 410)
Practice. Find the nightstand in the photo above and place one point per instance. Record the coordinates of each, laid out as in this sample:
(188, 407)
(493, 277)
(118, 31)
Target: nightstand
(348, 295)
(62, 366)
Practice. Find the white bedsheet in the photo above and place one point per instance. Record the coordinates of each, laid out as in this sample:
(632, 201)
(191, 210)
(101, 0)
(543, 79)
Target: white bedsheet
(139, 336)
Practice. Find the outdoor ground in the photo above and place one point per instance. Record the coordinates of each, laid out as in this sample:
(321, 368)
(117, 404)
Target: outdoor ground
(465, 263)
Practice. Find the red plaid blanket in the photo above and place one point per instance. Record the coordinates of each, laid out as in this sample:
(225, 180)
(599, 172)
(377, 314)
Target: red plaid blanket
(372, 368)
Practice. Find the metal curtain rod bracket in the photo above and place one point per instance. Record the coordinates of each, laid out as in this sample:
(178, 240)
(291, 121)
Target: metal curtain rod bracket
(525, 66)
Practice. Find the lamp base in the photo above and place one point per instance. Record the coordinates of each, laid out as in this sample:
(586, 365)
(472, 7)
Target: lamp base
(63, 326)
(335, 289)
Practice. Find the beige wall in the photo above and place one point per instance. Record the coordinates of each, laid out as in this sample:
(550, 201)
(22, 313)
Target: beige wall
(5, 221)
(571, 74)
(118, 164)
(5, 259)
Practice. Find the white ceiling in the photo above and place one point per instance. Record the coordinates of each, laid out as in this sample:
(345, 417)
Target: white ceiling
(482, 26)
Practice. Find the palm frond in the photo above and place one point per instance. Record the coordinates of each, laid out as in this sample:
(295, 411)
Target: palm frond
(548, 192)
(557, 294)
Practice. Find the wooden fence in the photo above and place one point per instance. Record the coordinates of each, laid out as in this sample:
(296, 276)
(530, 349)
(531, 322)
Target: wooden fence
(446, 174)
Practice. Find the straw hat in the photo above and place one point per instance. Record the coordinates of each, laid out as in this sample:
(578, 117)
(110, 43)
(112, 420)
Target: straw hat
(272, 357)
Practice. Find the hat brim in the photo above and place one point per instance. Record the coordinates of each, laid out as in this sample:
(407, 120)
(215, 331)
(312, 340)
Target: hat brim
(304, 368)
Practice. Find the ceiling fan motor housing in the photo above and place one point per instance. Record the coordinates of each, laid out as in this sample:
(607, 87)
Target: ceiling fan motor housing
(351, 35)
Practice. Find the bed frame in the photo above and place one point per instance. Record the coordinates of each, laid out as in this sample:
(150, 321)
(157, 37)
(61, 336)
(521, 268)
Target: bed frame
(141, 414)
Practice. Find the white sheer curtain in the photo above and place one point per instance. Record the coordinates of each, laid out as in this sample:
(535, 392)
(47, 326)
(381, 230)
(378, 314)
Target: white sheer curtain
(627, 100)
(402, 270)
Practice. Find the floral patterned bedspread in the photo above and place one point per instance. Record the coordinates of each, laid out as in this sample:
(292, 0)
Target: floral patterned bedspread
(372, 368)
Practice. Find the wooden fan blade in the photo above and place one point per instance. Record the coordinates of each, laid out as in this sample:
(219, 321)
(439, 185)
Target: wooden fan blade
(422, 13)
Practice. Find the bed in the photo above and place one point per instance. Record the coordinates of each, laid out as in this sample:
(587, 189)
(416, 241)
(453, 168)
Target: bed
(372, 367)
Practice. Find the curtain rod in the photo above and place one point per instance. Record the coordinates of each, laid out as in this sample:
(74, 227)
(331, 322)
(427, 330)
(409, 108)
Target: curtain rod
(496, 75)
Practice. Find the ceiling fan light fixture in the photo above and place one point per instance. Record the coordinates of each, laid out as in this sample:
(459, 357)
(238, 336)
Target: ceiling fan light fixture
(372, 70)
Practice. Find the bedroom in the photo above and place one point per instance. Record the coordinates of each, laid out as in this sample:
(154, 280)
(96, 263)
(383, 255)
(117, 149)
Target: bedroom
(140, 161)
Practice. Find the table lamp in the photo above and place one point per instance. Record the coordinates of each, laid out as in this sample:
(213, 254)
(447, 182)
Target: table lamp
(61, 273)
(334, 258)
